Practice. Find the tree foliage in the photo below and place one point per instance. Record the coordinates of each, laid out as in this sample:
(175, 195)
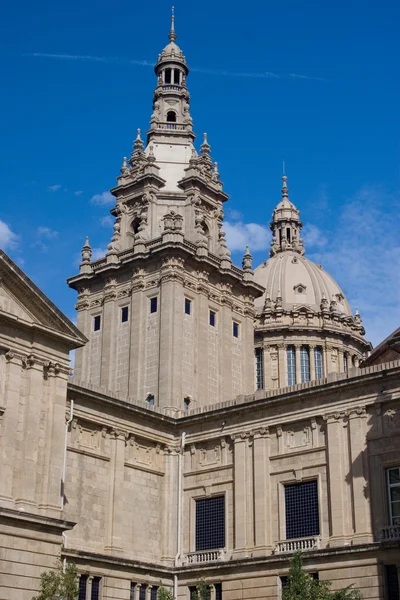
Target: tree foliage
(59, 585)
(164, 594)
(302, 586)
(203, 590)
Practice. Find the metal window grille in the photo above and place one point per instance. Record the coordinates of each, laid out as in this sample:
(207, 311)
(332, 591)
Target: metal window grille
(235, 329)
(291, 365)
(124, 314)
(188, 306)
(132, 592)
(393, 483)
(319, 368)
(218, 591)
(142, 592)
(212, 318)
(154, 593)
(82, 587)
(259, 368)
(305, 363)
(153, 304)
(301, 509)
(392, 582)
(95, 595)
(210, 523)
(97, 323)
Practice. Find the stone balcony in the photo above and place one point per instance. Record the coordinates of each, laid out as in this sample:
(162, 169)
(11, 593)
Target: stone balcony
(391, 533)
(303, 544)
(206, 556)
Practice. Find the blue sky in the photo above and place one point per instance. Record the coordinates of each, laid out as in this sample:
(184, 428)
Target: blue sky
(315, 84)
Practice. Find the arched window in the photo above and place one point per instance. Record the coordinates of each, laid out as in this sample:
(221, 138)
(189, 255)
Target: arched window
(186, 403)
(167, 76)
(171, 116)
(291, 365)
(176, 77)
(318, 362)
(305, 363)
(150, 399)
(135, 225)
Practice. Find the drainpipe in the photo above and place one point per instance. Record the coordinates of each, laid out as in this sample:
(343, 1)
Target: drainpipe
(67, 424)
(179, 512)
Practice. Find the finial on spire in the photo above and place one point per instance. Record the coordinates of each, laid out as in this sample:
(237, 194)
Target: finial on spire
(86, 251)
(138, 143)
(247, 260)
(172, 34)
(205, 147)
(285, 191)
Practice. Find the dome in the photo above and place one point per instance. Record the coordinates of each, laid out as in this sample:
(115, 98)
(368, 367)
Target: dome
(299, 282)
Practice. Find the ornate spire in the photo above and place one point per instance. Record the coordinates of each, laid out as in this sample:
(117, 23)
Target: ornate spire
(138, 143)
(286, 225)
(86, 251)
(247, 260)
(172, 34)
(205, 148)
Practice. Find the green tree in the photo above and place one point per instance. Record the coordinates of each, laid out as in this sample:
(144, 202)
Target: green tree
(301, 586)
(203, 590)
(164, 594)
(59, 585)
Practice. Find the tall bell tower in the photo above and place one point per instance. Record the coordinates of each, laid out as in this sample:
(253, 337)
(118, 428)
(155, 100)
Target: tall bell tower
(168, 317)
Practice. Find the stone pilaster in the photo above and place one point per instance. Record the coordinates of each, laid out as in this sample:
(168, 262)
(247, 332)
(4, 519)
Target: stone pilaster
(359, 469)
(170, 503)
(240, 441)
(262, 491)
(312, 362)
(114, 526)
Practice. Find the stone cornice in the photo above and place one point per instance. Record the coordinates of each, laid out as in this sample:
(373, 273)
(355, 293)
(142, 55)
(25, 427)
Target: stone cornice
(36, 521)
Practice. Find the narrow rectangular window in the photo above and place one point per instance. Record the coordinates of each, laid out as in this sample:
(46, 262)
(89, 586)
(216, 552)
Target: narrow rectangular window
(212, 318)
(97, 323)
(235, 329)
(345, 363)
(176, 76)
(301, 509)
(393, 483)
(95, 595)
(82, 587)
(132, 592)
(188, 306)
(153, 304)
(218, 591)
(319, 368)
(210, 523)
(392, 582)
(167, 75)
(153, 592)
(259, 368)
(142, 592)
(192, 592)
(291, 365)
(305, 364)
(150, 399)
(124, 314)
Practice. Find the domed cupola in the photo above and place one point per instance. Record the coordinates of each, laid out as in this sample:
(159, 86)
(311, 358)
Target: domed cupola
(305, 328)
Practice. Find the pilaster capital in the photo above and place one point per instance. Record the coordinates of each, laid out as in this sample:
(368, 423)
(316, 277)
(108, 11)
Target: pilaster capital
(262, 432)
(334, 417)
(357, 412)
(240, 436)
(119, 434)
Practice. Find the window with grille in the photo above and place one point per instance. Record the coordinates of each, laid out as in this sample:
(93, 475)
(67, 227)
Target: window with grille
(97, 323)
(392, 582)
(154, 592)
(153, 304)
(301, 509)
(188, 306)
(393, 483)
(124, 314)
(345, 363)
(235, 330)
(142, 591)
(132, 592)
(212, 318)
(305, 363)
(319, 369)
(210, 523)
(218, 591)
(95, 595)
(291, 365)
(259, 369)
(82, 587)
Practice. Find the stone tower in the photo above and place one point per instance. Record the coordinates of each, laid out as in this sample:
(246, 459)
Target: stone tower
(168, 317)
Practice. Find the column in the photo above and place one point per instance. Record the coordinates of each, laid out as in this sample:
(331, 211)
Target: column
(341, 360)
(108, 334)
(298, 363)
(169, 513)
(359, 470)
(115, 515)
(262, 491)
(337, 447)
(356, 362)
(9, 425)
(31, 413)
(148, 592)
(89, 587)
(240, 481)
(312, 362)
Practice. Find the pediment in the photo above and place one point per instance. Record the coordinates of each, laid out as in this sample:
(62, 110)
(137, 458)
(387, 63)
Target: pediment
(305, 308)
(23, 302)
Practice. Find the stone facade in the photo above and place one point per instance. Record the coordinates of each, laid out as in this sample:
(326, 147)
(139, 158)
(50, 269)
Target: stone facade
(112, 469)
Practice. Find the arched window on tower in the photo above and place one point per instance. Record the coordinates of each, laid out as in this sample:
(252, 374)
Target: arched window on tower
(176, 77)
(305, 363)
(171, 116)
(167, 77)
(291, 365)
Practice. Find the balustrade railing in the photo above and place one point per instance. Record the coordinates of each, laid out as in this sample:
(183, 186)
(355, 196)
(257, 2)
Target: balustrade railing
(206, 556)
(310, 543)
(390, 533)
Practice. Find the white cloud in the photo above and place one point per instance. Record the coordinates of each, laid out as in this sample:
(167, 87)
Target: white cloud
(107, 221)
(54, 188)
(312, 237)
(239, 235)
(363, 255)
(47, 233)
(78, 192)
(8, 239)
(98, 253)
(102, 199)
